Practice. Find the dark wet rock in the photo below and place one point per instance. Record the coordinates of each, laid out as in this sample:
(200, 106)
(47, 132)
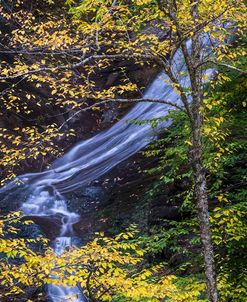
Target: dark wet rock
(12, 199)
(30, 231)
(9, 204)
(87, 199)
(159, 213)
(109, 115)
(178, 259)
(50, 226)
(86, 227)
(183, 184)
(114, 201)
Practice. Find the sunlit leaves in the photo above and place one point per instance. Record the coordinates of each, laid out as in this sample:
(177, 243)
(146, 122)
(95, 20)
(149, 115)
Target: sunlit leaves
(105, 268)
(27, 143)
(44, 49)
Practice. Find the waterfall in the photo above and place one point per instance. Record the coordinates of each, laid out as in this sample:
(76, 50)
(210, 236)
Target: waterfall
(87, 161)
(60, 293)
(44, 203)
(92, 158)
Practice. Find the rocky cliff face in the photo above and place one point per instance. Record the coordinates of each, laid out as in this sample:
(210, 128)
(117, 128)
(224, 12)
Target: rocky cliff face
(85, 124)
(114, 195)
(116, 200)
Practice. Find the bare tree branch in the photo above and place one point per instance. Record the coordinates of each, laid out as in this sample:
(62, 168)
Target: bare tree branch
(103, 102)
(81, 63)
(223, 65)
(40, 52)
(180, 89)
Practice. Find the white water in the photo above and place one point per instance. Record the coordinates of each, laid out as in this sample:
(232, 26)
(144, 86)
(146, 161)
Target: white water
(89, 160)
(92, 158)
(43, 203)
(63, 293)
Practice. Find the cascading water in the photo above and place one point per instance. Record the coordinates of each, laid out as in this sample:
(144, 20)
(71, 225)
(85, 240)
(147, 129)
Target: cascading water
(87, 161)
(43, 203)
(92, 158)
(60, 293)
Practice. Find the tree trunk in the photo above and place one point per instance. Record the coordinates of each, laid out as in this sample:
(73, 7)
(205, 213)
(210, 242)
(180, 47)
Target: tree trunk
(201, 198)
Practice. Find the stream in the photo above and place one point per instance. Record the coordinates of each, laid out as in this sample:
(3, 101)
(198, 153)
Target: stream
(87, 161)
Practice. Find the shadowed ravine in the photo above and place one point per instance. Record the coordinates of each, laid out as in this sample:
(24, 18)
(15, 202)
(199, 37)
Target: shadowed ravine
(90, 159)
(87, 161)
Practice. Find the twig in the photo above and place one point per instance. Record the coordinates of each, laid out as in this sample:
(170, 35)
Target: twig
(223, 65)
(121, 101)
(80, 64)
